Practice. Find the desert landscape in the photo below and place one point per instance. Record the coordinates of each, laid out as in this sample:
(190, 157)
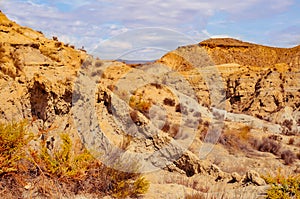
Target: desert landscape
(215, 119)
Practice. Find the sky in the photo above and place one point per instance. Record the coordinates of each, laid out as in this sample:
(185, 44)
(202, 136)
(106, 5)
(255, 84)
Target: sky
(133, 29)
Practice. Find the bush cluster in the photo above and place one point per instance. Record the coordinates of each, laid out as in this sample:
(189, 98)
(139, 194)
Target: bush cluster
(268, 145)
(272, 146)
(140, 104)
(283, 187)
(58, 172)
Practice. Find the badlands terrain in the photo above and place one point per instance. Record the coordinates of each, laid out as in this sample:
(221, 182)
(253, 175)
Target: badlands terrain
(217, 119)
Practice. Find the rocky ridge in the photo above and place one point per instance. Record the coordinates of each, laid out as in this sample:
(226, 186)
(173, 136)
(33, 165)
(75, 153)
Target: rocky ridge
(37, 77)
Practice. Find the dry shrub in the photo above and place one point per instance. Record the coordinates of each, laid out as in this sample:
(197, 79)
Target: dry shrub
(58, 44)
(288, 124)
(10, 186)
(166, 127)
(62, 162)
(291, 141)
(275, 137)
(236, 139)
(156, 85)
(206, 123)
(268, 145)
(197, 114)
(178, 108)
(35, 45)
(135, 117)
(169, 102)
(288, 156)
(193, 183)
(174, 130)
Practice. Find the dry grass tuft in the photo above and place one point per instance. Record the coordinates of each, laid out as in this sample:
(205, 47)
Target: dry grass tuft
(288, 157)
(236, 139)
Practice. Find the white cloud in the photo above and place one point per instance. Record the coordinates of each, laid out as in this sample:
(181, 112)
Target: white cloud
(88, 22)
(288, 37)
(122, 45)
(160, 40)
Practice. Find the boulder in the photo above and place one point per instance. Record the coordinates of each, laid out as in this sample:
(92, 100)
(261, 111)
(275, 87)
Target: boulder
(253, 177)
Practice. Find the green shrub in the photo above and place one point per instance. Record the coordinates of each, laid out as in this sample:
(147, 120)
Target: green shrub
(13, 138)
(61, 171)
(62, 162)
(140, 104)
(283, 187)
(129, 188)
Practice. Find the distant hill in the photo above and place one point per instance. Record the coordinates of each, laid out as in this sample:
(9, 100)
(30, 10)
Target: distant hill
(135, 61)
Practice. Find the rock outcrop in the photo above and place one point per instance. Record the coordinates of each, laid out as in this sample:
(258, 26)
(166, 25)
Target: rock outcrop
(258, 80)
(160, 112)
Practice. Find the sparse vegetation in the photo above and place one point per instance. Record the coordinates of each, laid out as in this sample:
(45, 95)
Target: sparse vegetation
(135, 117)
(169, 102)
(178, 108)
(283, 187)
(53, 163)
(236, 139)
(291, 141)
(58, 44)
(62, 162)
(268, 145)
(140, 104)
(58, 171)
(288, 156)
(272, 146)
(13, 139)
(166, 126)
(174, 130)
